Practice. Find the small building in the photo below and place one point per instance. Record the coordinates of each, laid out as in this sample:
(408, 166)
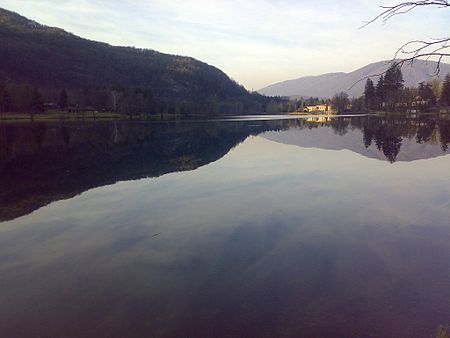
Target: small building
(319, 108)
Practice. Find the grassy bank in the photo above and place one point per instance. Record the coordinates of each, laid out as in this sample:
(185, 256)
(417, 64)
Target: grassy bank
(57, 116)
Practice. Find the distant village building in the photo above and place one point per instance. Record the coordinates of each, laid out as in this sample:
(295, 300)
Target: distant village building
(319, 108)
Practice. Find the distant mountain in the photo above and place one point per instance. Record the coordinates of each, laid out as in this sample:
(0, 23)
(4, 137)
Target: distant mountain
(327, 85)
(52, 58)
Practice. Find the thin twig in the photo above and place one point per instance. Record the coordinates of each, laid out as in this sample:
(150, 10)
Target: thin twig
(436, 48)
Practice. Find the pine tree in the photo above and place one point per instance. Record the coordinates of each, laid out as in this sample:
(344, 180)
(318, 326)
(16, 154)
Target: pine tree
(369, 94)
(398, 79)
(380, 91)
(389, 79)
(393, 83)
(445, 93)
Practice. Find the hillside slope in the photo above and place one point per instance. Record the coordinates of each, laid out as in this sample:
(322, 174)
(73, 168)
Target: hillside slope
(50, 57)
(327, 85)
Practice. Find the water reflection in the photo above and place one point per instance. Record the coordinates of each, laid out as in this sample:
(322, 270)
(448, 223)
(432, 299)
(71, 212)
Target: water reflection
(387, 134)
(41, 163)
(279, 235)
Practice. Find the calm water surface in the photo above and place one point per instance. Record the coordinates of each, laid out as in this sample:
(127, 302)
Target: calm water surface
(252, 228)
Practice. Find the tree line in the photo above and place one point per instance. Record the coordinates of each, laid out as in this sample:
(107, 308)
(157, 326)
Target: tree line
(390, 94)
(24, 97)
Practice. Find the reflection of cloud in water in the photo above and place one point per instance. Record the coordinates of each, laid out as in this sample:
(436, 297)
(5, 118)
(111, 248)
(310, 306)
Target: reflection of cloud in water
(270, 238)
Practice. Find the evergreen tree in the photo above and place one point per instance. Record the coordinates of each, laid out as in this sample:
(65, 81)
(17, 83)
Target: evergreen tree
(63, 100)
(393, 79)
(389, 80)
(445, 93)
(393, 83)
(369, 94)
(380, 92)
(398, 79)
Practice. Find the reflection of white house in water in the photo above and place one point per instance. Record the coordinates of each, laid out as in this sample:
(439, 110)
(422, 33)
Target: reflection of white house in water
(319, 119)
(320, 109)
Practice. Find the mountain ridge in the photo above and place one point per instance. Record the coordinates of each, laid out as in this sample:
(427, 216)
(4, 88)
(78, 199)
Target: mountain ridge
(326, 85)
(51, 59)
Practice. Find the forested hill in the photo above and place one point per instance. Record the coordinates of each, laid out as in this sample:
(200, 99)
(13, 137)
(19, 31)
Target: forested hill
(52, 59)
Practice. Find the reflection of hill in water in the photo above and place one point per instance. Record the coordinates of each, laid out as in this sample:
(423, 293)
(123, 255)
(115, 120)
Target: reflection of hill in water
(398, 139)
(41, 163)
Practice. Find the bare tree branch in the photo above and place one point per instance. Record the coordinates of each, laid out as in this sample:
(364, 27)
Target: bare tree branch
(403, 8)
(432, 50)
(408, 61)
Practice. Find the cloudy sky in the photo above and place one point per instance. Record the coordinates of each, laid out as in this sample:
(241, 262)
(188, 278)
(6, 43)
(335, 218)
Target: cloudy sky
(256, 42)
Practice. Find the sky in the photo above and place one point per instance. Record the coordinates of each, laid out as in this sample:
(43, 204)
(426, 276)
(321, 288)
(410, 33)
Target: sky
(256, 42)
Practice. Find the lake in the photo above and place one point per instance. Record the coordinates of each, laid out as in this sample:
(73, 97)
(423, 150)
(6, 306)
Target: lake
(247, 227)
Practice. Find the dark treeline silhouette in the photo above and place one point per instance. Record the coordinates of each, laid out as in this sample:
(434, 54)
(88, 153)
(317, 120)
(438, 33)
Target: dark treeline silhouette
(389, 93)
(47, 68)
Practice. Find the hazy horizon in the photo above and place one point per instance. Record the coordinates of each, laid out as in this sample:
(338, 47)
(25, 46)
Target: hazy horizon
(257, 43)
